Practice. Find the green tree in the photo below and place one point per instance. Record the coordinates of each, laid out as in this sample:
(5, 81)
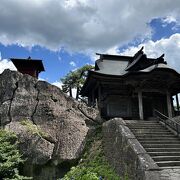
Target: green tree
(75, 79)
(10, 158)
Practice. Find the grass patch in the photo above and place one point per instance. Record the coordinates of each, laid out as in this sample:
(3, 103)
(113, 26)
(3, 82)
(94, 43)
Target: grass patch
(34, 129)
(93, 165)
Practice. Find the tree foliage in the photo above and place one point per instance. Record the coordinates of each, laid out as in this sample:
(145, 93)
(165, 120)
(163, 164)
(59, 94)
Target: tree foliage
(75, 79)
(10, 158)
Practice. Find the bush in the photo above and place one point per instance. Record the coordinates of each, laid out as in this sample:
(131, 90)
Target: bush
(10, 158)
(34, 129)
(93, 165)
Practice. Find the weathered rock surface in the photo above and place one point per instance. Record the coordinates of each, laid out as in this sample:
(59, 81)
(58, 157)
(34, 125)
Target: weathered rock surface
(59, 117)
(37, 149)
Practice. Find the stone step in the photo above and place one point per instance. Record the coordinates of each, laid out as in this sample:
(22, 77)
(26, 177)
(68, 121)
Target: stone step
(147, 128)
(161, 145)
(165, 153)
(145, 125)
(150, 130)
(169, 167)
(166, 158)
(142, 122)
(168, 163)
(161, 141)
(139, 121)
(152, 133)
(141, 138)
(162, 149)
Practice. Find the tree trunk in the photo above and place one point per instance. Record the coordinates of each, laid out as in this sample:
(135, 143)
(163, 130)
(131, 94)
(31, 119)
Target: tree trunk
(77, 93)
(70, 91)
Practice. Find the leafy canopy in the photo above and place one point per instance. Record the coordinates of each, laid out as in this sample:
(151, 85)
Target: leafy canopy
(75, 79)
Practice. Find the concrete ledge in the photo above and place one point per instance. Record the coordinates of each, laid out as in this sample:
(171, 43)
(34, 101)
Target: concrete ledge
(125, 153)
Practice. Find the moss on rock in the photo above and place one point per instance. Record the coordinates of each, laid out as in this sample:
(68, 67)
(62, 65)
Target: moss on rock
(93, 165)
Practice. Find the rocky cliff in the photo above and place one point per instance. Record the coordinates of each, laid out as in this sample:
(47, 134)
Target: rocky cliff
(51, 127)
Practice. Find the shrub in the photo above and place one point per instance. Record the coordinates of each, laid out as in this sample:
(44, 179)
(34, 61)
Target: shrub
(93, 165)
(10, 158)
(34, 129)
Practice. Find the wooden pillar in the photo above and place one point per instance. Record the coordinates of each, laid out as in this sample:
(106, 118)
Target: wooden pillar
(99, 93)
(140, 102)
(99, 99)
(93, 98)
(169, 105)
(99, 96)
(90, 101)
(177, 102)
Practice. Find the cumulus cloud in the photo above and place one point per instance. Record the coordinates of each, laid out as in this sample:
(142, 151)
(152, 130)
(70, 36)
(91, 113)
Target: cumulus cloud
(169, 46)
(6, 64)
(72, 63)
(58, 84)
(80, 24)
(169, 19)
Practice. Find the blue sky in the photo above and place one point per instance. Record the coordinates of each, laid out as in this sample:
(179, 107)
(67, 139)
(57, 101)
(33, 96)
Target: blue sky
(67, 34)
(57, 64)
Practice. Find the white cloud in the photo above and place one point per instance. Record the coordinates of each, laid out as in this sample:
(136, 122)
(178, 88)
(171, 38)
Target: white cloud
(59, 58)
(169, 19)
(113, 50)
(72, 63)
(58, 84)
(5, 64)
(80, 24)
(93, 57)
(169, 46)
(42, 79)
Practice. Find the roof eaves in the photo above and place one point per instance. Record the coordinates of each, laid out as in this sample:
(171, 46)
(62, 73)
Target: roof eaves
(114, 57)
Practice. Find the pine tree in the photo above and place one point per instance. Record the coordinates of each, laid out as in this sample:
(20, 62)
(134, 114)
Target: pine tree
(75, 79)
(10, 157)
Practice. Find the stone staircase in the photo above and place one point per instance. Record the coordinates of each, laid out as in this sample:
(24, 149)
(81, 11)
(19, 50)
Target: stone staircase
(160, 143)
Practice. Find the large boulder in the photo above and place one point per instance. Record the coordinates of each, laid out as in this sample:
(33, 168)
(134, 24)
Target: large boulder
(52, 127)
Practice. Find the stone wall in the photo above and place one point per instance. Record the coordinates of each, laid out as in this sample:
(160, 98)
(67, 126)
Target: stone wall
(125, 153)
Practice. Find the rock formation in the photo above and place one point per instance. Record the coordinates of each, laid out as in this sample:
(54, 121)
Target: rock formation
(51, 126)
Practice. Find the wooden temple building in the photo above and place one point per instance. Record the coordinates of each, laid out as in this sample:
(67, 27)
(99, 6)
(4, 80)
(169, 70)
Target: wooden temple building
(29, 66)
(132, 87)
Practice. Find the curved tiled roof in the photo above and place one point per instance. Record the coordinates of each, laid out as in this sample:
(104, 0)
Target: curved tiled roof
(119, 67)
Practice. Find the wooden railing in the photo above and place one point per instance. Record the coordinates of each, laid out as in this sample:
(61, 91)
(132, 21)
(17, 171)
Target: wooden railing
(167, 121)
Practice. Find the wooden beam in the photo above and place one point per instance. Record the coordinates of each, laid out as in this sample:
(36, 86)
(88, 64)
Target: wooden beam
(140, 101)
(169, 104)
(153, 91)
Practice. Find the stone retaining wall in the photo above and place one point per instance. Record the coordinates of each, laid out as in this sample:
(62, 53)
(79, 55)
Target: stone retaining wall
(125, 153)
